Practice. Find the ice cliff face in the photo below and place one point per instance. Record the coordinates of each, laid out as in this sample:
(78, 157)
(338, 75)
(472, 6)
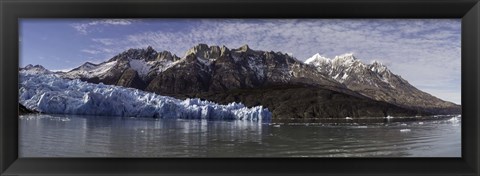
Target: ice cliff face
(48, 93)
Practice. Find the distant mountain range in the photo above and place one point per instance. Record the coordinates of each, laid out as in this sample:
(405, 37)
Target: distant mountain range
(376, 81)
(317, 88)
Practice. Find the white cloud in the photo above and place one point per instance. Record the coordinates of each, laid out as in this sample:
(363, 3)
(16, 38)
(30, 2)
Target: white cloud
(83, 28)
(104, 41)
(91, 51)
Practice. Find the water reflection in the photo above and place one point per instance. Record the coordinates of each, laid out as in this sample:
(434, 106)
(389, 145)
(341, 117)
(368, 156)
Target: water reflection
(84, 136)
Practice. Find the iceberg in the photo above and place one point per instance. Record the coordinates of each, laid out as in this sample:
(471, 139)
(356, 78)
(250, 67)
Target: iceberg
(48, 93)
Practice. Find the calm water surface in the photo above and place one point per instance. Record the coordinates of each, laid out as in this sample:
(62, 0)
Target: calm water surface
(83, 136)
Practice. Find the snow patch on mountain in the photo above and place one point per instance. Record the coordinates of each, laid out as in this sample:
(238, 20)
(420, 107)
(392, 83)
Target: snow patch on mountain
(141, 66)
(205, 61)
(378, 67)
(47, 93)
(89, 70)
(34, 69)
(166, 65)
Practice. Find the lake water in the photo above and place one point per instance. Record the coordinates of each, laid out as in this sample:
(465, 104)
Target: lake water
(83, 136)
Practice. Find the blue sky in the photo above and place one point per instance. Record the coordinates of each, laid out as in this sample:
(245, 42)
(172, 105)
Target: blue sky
(426, 52)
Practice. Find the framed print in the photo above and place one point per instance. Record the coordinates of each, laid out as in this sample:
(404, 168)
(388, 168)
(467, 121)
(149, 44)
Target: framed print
(239, 87)
(122, 97)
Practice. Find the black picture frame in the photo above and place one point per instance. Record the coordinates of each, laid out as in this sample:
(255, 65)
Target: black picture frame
(12, 10)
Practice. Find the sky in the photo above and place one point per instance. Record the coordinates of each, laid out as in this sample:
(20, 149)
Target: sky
(425, 52)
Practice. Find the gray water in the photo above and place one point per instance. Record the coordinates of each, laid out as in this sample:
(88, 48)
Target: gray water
(83, 136)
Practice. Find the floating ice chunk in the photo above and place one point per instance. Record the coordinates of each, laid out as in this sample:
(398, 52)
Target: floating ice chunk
(405, 130)
(361, 127)
(454, 119)
(389, 117)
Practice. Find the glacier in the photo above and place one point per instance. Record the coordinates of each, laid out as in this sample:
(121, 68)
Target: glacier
(51, 94)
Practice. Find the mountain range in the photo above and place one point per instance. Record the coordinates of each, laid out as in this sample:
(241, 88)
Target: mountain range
(317, 88)
(376, 81)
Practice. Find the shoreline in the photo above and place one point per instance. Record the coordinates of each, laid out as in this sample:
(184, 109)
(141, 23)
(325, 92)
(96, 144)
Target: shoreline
(293, 121)
(366, 120)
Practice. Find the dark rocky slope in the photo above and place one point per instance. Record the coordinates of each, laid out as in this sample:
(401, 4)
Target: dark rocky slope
(305, 101)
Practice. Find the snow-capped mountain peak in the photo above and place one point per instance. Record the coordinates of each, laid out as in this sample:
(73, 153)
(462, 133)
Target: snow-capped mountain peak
(347, 59)
(317, 59)
(145, 62)
(347, 68)
(34, 69)
(87, 66)
(244, 48)
(147, 54)
(339, 68)
(378, 67)
(89, 70)
(346, 55)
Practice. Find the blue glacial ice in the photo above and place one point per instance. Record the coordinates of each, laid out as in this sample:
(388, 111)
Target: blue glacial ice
(47, 93)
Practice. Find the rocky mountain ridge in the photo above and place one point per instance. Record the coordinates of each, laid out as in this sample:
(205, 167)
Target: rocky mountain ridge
(318, 88)
(376, 81)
